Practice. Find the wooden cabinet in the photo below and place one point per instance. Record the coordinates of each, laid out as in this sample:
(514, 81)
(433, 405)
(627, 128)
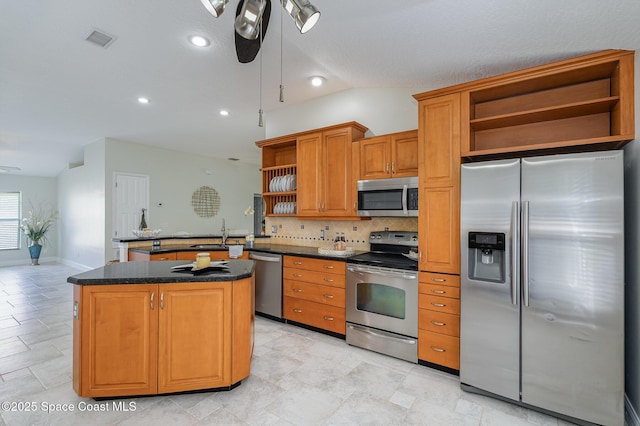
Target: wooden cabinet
(325, 168)
(389, 156)
(439, 179)
(586, 101)
(326, 180)
(314, 292)
(439, 319)
(144, 339)
(134, 256)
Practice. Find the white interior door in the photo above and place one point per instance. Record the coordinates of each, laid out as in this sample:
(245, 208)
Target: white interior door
(131, 195)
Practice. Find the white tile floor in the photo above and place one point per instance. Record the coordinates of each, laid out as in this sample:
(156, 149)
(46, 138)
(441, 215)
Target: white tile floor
(298, 377)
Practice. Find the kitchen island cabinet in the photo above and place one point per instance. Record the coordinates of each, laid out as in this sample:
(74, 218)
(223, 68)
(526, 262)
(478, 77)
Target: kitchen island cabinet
(140, 329)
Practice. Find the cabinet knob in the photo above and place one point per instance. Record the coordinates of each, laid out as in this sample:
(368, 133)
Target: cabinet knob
(297, 290)
(328, 318)
(437, 349)
(329, 280)
(153, 294)
(328, 266)
(297, 275)
(439, 305)
(328, 296)
(439, 280)
(297, 311)
(162, 300)
(438, 291)
(438, 323)
(297, 262)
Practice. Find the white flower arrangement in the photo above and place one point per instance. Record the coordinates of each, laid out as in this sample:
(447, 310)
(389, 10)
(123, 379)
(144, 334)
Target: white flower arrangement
(36, 225)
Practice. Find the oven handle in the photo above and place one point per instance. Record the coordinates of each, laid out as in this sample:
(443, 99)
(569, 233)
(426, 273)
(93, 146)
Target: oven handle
(385, 336)
(382, 273)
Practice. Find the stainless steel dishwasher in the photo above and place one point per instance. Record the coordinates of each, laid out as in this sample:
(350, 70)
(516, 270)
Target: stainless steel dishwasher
(268, 274)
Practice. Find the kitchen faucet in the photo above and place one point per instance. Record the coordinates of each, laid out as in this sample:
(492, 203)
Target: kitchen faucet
(225, 234)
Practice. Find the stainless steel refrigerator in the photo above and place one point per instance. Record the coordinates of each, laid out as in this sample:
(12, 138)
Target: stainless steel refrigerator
(542, 283)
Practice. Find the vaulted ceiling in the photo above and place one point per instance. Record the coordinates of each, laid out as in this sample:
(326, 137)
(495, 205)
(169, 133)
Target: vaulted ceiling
(59, 92)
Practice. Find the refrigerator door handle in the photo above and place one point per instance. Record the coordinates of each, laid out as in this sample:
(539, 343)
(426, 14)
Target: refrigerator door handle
(525, 252)
(515, 252)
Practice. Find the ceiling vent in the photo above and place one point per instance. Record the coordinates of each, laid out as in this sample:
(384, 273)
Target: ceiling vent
(100, 38)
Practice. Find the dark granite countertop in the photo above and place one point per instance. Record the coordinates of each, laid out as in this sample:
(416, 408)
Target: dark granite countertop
(182, 237)
(263, 248)
(159, 273)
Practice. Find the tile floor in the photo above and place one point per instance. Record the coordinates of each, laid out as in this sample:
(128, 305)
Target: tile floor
(298, 377)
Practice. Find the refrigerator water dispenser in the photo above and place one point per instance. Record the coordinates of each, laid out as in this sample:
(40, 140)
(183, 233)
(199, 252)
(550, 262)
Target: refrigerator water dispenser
(486, 256)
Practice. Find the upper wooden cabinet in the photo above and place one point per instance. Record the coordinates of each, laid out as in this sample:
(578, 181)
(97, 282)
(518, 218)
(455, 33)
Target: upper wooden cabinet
(439, 148)
(439, 177)
(586, 102)
(392, 155)
(326, 172)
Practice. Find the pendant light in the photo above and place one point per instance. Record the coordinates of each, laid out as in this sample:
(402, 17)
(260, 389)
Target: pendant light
(260, 122)
(281, 85)
(215, 7)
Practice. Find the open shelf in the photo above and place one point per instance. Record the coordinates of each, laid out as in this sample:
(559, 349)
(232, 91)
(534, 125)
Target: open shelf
(587, 100)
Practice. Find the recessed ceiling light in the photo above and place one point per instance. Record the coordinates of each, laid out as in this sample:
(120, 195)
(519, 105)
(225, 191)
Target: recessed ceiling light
(233, 159)
(143, 100)
(224, 112)
(199, 41)
(9, 169)
(317, 81)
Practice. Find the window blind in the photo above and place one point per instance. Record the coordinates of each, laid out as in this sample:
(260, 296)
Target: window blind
(9, 220)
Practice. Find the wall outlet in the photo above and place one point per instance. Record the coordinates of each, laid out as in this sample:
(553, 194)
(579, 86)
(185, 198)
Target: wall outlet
(274, 229)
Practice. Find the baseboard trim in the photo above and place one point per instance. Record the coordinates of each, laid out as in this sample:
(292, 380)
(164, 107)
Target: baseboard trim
(630, 413)
(75, 264)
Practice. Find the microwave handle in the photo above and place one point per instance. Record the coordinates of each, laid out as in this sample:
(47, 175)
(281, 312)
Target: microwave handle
(404, 200)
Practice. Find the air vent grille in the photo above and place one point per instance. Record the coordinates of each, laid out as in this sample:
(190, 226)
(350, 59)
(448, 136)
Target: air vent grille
(100, 38)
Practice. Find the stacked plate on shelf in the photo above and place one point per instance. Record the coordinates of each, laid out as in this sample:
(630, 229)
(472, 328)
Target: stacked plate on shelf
(285, 208)
(283, 183)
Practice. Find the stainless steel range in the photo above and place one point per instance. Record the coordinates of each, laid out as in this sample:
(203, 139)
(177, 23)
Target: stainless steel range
(382, 296)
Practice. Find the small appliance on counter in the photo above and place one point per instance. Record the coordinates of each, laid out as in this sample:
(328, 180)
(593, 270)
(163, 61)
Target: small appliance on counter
(382, 296)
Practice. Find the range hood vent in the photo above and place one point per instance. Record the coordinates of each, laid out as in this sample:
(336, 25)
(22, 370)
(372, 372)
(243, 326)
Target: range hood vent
(100, 38)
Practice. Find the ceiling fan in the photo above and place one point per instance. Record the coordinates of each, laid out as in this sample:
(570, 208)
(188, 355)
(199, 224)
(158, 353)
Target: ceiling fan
(252, 20)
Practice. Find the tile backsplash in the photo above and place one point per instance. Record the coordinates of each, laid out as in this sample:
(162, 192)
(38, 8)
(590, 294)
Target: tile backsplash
(292, 231)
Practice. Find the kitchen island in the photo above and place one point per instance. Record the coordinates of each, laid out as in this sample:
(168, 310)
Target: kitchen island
(141, 328)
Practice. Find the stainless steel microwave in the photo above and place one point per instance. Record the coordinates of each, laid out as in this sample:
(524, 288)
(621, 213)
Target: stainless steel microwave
(388, 197)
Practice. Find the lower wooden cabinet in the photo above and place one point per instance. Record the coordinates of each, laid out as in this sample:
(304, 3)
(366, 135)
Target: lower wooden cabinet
(144, 339)
(314, 292)
(135, 256)
(439, 319)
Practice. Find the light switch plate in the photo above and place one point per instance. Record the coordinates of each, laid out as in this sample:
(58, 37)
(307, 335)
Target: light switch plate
(274, 229)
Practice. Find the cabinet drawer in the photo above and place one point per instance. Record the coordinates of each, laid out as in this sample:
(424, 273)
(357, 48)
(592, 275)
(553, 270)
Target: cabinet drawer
(315, 277)
(312, 264)
(439, 322)
(439, 349)
(315, 293)
(438, 303)
(440, 279)
(315, 314)
(439, 290)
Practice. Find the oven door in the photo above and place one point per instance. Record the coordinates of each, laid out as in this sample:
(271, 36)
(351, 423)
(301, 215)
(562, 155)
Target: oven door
(382, 298)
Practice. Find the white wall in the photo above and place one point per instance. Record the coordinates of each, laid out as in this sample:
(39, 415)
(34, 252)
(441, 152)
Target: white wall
(381, 110)
(632, 257)
(81, 204)
(38, 192)
(173, 177)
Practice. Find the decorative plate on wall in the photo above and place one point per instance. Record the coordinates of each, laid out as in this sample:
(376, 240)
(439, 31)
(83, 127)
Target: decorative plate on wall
(205, 201)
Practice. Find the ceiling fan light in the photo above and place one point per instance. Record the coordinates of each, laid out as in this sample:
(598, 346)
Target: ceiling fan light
(248, 21)
(307, 17)
(215, 7)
